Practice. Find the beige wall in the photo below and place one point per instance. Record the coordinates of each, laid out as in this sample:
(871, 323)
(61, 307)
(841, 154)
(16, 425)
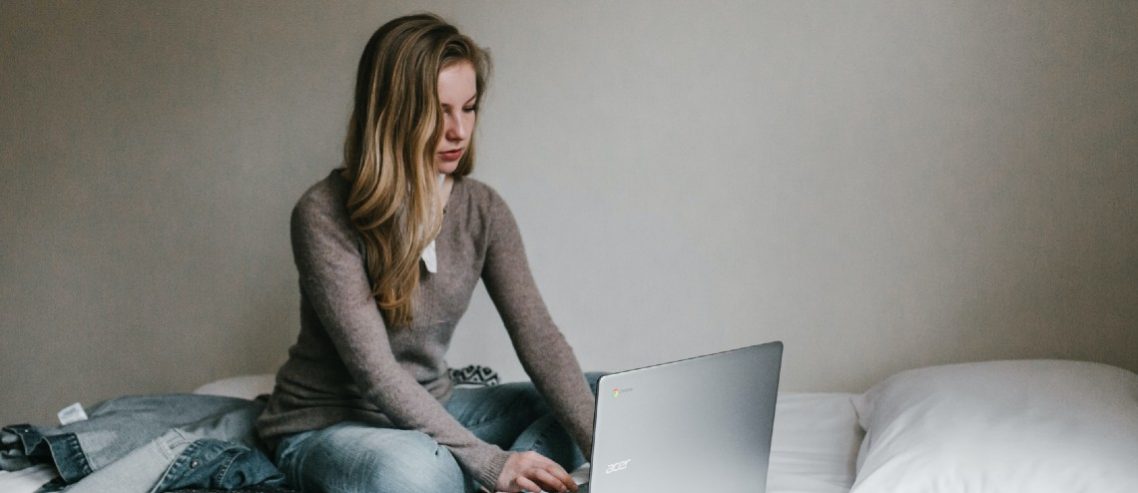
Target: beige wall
(879, 184)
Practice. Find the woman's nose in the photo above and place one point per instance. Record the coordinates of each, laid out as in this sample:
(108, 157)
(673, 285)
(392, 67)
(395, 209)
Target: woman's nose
(455, 130)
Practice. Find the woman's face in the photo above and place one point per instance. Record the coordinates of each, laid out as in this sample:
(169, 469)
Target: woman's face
(457, 93)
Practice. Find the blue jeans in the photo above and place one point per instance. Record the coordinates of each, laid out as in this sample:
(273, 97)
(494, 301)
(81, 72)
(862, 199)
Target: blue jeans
(358, 458)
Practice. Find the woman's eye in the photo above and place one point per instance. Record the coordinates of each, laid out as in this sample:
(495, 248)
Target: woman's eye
(470, 109)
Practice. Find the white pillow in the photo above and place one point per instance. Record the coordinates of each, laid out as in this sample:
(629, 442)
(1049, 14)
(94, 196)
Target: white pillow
(244, 386)
(1002, 426)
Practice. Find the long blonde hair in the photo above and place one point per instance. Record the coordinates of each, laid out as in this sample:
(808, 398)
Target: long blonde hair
(389, 152)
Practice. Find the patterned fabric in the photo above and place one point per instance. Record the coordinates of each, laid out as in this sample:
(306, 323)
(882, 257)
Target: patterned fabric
(474, 375)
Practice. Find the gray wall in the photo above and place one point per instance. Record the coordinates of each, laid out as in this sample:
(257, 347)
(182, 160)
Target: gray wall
(881, 185)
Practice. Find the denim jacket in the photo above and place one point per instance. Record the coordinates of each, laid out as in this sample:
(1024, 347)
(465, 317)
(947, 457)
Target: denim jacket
(148, 444)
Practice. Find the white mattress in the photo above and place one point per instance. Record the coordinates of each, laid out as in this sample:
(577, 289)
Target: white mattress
(815, 444)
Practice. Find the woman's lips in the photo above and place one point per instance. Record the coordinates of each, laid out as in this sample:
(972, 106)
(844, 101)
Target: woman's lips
(451, 155)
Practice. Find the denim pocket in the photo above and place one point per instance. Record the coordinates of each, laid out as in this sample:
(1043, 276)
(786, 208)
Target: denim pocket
(217, 464)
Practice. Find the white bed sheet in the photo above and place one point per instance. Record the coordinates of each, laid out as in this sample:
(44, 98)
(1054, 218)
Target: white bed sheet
(815, 444)
(26, 480)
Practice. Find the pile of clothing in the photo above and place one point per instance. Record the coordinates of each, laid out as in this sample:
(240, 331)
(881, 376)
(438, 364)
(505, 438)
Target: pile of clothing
(145, 444)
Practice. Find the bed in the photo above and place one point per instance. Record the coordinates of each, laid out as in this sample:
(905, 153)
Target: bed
(814, 447)
(815, 443)
(1002, 426)
(1034, 426)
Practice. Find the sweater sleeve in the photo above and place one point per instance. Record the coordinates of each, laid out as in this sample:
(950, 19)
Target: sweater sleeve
(544, 353)
(333, 278)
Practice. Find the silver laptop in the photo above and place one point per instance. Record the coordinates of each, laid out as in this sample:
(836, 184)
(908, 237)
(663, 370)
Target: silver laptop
(699, 424)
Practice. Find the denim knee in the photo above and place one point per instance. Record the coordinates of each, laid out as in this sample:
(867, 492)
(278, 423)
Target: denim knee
(362, 459)
(413, 462)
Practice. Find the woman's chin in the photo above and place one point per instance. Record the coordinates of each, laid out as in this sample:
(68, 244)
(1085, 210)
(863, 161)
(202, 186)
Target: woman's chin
(446, 167)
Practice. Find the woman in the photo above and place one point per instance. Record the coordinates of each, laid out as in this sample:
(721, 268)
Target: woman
(389, 249)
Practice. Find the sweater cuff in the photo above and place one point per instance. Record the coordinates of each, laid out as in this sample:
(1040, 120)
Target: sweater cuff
(488, 475)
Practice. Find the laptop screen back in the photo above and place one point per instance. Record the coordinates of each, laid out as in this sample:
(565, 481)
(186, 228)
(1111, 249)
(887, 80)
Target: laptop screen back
(701, 424)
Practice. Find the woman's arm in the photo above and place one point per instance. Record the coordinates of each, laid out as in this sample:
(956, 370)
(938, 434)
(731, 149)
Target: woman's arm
(541, 347)
(335, 282)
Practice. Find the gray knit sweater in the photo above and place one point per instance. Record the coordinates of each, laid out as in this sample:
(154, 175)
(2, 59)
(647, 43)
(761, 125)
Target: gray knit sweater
(348, 365)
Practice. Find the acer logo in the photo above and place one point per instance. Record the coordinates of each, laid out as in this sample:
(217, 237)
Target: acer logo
(617, 467)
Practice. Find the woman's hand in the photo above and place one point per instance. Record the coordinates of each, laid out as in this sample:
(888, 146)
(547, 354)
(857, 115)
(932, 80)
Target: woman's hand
(531, 471)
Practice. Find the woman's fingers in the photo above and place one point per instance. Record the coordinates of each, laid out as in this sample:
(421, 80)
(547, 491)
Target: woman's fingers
(527, 485)
(563, 477)
(531, 471)
(550, 481)
(551, 477)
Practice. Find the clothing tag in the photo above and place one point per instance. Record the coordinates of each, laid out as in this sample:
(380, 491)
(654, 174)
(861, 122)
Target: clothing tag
(430, 258)
(72, 414)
